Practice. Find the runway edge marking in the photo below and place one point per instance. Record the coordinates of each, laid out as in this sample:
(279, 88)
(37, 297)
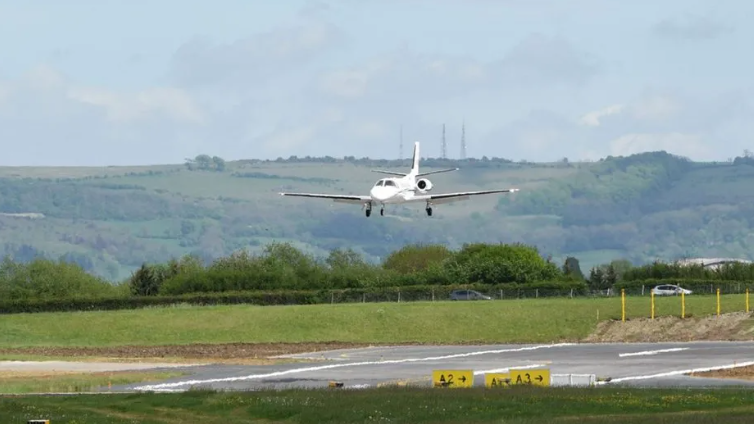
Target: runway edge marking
(653, 352)
(680, 372)
(156, 387)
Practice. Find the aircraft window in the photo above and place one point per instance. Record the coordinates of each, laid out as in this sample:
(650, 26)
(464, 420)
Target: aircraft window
(379, 183)
(390, 183)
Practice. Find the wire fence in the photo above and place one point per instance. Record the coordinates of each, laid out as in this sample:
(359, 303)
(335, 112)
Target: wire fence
(440, 293)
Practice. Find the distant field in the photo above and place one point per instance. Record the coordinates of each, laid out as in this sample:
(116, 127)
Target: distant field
(640, 208)
(395, 405)
(500, 321)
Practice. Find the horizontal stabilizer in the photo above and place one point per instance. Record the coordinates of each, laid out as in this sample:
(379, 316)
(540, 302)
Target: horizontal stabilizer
(436, 172)
(379, 171)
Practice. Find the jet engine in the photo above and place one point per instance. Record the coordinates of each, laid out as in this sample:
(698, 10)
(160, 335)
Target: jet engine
(424, 185)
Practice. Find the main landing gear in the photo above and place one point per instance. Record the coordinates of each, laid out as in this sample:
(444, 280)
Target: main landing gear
(429, 209)
(368, 210)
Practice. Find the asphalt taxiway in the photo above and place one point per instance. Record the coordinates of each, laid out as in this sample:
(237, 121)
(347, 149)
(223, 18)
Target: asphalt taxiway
(639, 364)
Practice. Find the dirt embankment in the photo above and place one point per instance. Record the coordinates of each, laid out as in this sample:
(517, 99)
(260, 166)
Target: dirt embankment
(726, 327)
(740, 373)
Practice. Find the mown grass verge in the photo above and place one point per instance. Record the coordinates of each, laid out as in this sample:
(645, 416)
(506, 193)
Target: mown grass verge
(498, 321)
(64, 382)
(395, 405)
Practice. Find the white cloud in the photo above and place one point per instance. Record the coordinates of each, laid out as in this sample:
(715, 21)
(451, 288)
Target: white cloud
(122, 108)
(691, 27)
(278, 94)
(254, 61)
(656, 108)
(592, 119)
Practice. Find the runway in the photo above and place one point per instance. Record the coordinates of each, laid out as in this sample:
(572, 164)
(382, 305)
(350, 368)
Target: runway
(640, 364)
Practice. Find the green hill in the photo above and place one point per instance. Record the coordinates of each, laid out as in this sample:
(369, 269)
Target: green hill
(112, 219)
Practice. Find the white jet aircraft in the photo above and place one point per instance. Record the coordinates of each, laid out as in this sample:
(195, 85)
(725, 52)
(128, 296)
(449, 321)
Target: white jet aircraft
(402, 189)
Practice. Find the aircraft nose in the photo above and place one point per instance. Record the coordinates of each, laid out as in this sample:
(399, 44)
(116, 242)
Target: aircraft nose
(378, 193)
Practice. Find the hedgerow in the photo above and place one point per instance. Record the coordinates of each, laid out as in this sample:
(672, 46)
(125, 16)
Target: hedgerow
(282, 274)
(292, 297)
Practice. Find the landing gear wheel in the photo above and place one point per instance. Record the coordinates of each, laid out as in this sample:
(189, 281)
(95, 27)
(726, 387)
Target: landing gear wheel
(429, 211)
(368, 212)
(382, 211)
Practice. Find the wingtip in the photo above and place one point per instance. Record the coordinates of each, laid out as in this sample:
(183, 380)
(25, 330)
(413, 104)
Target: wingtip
(513, 190)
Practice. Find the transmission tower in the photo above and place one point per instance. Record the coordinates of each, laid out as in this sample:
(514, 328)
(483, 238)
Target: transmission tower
(400, 151)
(463, 140)
(444, 144)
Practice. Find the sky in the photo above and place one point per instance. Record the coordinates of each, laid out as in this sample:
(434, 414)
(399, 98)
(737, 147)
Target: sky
(133, 82)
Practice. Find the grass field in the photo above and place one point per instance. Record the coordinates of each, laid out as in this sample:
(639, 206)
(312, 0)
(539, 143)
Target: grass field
(70, 382)
(394, 405)
(511, 321)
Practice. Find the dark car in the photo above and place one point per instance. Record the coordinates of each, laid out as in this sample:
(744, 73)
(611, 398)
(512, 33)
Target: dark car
(468, 295)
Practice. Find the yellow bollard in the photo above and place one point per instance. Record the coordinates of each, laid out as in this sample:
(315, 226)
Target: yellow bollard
(623, 304)
(683, 305)
(652, 296)
(747, 301)
(718, 302)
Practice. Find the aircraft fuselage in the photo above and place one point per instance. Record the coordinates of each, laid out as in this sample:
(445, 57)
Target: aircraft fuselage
(392, 191)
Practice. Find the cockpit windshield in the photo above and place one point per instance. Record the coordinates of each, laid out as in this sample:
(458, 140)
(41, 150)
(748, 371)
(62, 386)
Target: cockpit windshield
(387, 183)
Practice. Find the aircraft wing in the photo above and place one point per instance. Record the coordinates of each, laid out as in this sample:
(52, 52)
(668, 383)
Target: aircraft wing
(335, 197)
(454, 197)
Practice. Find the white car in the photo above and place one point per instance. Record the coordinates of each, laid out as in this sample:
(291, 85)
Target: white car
(669, 290)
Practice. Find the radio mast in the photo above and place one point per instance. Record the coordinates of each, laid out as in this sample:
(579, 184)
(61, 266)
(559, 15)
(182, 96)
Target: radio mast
(463, 140)
(444, 144)
(400, 147)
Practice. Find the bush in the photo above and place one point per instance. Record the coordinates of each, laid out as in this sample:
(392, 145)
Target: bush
(49, 279)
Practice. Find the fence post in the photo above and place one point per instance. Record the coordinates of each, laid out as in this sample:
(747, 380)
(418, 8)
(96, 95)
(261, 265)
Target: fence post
(683, 305)
(536, 293)
(399, 296)
(747, 300)
(642, 289)
(332, 297)
(433, 294)
(363, 298)
(652, 296)
(623, 304)
(571, 293)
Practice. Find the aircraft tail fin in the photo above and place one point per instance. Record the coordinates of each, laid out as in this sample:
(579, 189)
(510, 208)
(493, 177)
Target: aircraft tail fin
(415, 160)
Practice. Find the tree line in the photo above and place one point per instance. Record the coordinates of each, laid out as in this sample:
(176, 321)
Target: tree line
(282, 274)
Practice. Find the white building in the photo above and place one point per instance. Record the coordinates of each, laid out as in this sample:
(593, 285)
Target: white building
(713, 263)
